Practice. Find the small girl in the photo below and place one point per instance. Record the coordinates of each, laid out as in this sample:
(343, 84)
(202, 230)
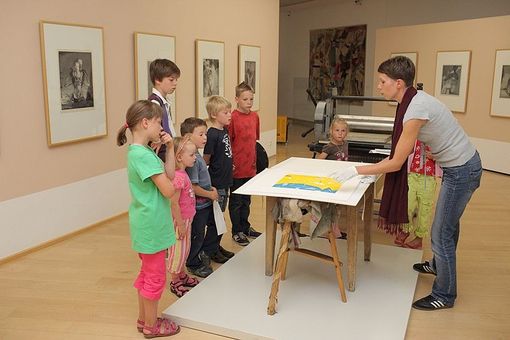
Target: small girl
(422, 172)
(183, 210)
(337, 149)
(150, 219)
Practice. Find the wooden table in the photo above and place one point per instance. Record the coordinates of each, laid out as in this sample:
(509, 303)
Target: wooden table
(354, 194)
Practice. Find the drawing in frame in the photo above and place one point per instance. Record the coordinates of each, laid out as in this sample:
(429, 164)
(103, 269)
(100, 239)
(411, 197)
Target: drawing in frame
(500, 101)
(414, 58)
(249, 70)
(149, 47)
(210, 72)
(452, 79)
(74, 82)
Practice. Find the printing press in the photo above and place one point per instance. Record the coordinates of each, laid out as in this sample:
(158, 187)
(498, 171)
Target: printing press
(365, 132)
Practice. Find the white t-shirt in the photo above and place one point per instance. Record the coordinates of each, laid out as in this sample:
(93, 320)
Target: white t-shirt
(448, 142)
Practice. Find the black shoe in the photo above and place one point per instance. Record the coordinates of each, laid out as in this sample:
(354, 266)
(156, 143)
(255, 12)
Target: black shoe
(219, 258)
(424, 268)
(253, 233)
(226, 253)
(430, 303)
(204, 258)
(241, 239)
(201, 271)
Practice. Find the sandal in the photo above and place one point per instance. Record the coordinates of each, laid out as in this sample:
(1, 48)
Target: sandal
(163, 327)
(140, 324)
(178, 288)
(414, 244)
(401, 238)
(189, 281)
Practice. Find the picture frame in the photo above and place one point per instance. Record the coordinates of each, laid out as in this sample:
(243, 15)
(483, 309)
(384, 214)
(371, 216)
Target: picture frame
(74, 83)
(452, 79)
(210, 72)
(148, 47)
(249, 70)
(414, 58)
(500, 99)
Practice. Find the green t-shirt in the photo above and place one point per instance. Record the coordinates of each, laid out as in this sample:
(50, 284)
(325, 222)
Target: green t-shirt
(150, 219)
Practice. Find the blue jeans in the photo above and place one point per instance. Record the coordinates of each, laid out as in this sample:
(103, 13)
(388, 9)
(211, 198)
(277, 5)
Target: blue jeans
(458, 185)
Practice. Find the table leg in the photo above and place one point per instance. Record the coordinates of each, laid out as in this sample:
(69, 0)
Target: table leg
(270, 234)
(352, 246)
(284, 249)
(367, 219)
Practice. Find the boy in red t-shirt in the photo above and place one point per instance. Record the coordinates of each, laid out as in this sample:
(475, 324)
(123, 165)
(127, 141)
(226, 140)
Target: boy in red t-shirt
(244, 130)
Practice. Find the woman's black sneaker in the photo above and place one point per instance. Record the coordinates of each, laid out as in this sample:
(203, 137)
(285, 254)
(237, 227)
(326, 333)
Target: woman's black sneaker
(424, 268)
(430, 303)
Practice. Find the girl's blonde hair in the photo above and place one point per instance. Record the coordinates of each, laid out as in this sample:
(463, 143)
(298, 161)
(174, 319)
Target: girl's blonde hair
(136, 112)
(179, 144)
(337, 120)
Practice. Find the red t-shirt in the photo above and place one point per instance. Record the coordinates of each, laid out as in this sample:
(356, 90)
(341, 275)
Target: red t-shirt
(244, 130)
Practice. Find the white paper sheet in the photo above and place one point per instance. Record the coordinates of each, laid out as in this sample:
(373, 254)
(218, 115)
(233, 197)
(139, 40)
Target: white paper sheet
(221, 226)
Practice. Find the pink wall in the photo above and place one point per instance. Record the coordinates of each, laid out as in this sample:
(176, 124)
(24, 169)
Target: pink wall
(482, 37)
(27, 164)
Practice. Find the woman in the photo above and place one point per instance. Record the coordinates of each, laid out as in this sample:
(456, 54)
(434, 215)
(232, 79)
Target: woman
(421, 116)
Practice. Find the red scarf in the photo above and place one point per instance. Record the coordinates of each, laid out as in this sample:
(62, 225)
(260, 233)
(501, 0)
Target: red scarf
(393, 210)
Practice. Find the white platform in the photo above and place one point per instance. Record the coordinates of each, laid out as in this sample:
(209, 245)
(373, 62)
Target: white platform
(233, 300)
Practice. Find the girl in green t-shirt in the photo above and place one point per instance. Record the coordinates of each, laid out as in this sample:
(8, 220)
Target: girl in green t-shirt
(150, 219)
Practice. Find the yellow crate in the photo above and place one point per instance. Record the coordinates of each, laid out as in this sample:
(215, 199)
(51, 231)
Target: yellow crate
(281, 129)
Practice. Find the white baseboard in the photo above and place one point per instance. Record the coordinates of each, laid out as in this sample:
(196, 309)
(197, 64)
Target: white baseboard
(31, 220)
(268, 141)
(495, 155)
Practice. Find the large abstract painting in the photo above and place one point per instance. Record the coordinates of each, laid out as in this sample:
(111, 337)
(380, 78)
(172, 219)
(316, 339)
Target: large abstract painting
(337, 61)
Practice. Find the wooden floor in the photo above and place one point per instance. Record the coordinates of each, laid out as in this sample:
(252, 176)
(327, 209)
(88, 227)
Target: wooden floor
(81, 288)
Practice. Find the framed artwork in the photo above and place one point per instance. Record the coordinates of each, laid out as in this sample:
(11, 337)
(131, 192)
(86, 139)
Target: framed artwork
(249, 70)
(149, 47)
(452, 78)
(414, 58)
(337, 60)
(74, 83)
(500, 102)
(210, 73)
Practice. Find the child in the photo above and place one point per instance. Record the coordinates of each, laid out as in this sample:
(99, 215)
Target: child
(421, 179)
(218, 156)
(244, 130)
(337, 149)
(183, 210)
(164, 75)
(203, 244)
(150, 219)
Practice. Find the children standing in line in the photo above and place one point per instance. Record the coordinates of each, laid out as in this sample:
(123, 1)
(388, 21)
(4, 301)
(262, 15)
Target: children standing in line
(164, 75)
(183, 210)
(244, 130)
(218, 156)
(337, 149)
(421, 179)
(150, 219)
(203, 244)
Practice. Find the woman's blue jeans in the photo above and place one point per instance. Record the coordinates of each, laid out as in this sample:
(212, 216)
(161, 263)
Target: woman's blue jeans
(458, 185)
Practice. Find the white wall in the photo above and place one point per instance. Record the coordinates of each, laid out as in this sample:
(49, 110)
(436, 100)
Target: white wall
(297, 21)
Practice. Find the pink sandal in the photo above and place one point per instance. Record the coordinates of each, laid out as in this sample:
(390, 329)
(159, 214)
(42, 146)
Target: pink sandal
(140, 324)
(178, 288)
(163, 327)
(189, 281)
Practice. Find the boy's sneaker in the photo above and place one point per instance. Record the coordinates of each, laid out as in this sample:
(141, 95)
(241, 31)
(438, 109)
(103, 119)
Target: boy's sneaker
(253, 233)
(241, 239)
(201, 271)
(204, 258)
(219, 258)
(424, 268)
(226, 253)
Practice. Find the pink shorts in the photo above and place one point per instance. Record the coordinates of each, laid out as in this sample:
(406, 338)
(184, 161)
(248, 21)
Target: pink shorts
(152, 278)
